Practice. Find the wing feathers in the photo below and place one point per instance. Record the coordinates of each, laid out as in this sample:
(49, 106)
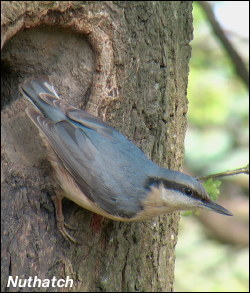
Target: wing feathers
(95, 154)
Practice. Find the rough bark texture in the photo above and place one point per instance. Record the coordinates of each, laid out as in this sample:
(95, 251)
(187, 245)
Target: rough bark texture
(126, 62)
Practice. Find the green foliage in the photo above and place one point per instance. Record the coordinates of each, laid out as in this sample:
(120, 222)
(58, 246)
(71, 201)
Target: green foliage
(217, 140)
(212, 188)
(204, 266)
(217, 136)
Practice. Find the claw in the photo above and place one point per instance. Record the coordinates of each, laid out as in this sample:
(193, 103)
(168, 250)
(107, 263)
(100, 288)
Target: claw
(61, 225)
(70, 227)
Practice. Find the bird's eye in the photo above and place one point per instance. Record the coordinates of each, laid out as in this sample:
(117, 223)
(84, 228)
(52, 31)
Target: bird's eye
(188, 191)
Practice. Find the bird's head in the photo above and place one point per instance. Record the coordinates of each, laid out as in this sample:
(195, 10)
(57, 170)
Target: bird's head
(173, 191)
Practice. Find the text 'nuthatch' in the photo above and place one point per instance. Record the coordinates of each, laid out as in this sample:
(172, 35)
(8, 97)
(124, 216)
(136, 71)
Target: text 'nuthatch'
(98, 168)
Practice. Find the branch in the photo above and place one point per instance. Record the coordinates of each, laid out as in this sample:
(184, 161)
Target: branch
(233, 55)
(244, 170)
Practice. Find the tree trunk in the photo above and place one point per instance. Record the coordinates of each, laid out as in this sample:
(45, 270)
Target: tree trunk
(126, 62)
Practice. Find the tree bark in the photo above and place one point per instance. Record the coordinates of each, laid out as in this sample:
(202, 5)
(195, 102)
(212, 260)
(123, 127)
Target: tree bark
(126, 62)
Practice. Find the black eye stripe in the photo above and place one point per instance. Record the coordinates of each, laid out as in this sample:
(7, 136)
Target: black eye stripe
(174, 186)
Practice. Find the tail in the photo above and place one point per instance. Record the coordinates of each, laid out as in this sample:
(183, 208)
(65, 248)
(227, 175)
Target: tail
(42, 95)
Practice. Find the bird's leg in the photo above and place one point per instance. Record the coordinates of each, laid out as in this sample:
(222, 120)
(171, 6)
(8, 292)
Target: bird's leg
(57, 199)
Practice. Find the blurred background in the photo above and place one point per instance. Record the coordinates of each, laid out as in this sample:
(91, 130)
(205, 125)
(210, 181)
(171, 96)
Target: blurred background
(212, 252)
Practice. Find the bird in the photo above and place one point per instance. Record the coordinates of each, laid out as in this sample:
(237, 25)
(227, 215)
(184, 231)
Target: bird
(101, 170)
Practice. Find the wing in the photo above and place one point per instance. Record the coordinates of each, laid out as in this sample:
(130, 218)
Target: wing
(99, 170)
(108, 168)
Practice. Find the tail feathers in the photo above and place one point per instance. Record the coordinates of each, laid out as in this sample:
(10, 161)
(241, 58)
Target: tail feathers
(37, 118)
(33, 87)
(43, 96)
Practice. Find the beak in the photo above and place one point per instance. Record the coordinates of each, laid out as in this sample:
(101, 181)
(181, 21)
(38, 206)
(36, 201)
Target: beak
(216, 208)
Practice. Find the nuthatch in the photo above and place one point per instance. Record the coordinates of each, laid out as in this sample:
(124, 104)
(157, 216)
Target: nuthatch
(98, 168)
